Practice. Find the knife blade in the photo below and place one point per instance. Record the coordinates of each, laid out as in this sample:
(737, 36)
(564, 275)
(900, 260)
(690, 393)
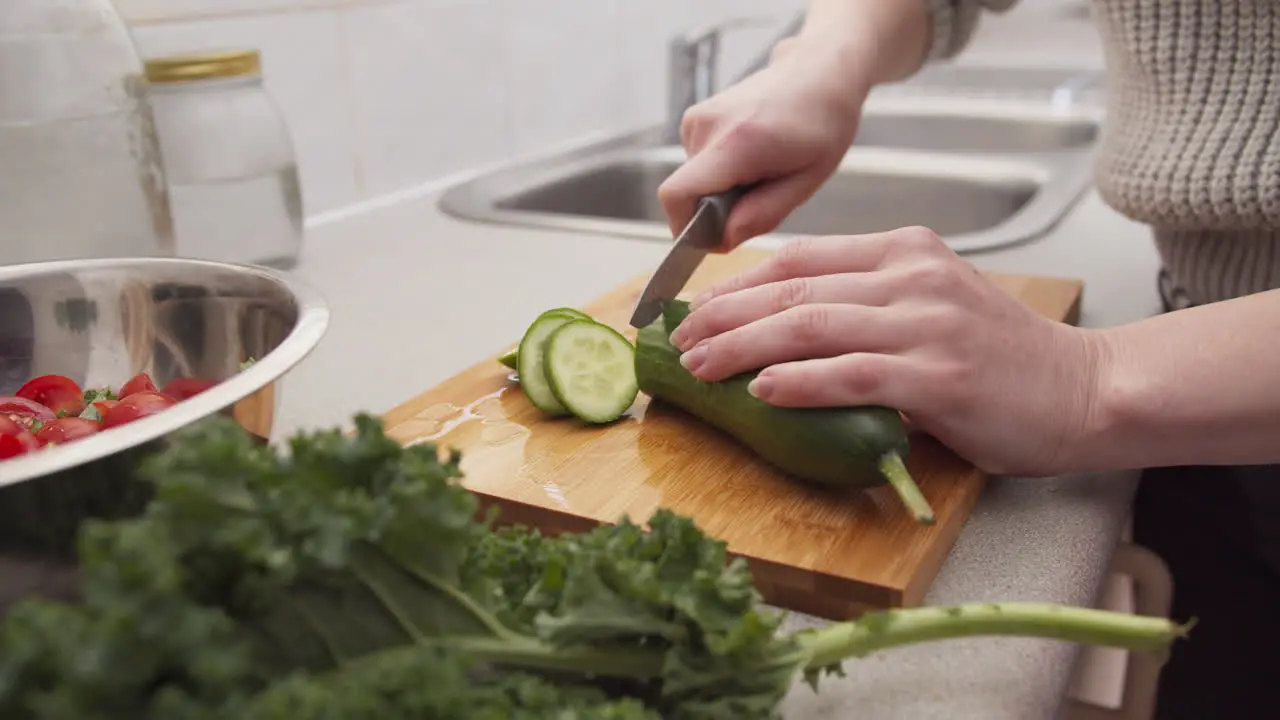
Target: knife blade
(701, 235)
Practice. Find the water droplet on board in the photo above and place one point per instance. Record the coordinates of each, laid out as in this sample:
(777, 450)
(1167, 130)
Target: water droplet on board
(503, 432)
(428, 423)
(498, 428)
(552, 490)
(447, 417)
(555, 494)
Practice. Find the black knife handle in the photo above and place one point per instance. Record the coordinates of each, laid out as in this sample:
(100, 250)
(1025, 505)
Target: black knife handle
(722, 203)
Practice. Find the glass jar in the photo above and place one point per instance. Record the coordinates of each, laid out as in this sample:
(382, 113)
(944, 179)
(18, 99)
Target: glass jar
(229, 159)
(80, 172)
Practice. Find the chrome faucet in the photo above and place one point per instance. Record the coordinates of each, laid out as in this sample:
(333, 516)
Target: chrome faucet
(693, 59)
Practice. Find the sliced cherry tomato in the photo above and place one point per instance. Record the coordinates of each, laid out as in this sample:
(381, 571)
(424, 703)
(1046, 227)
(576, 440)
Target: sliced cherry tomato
(138, 383)
(102, 406)
(59, 393)
(183, 388)
(23, 411)
(15, 439)
(67, 429)
(135, 407)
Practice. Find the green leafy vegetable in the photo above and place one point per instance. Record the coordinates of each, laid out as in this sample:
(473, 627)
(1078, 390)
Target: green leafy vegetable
(91, 396)
(433, 684)
(347, 577)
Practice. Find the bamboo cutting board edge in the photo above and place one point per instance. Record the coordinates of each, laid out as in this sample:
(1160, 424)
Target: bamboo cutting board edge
(777, 591)
(798, 583)
(790, 585)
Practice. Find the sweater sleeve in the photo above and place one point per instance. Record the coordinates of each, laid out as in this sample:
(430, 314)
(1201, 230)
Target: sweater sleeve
(953, 23)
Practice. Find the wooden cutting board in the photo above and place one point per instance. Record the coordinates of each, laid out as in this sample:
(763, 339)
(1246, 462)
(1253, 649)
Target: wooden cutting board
(832, 554)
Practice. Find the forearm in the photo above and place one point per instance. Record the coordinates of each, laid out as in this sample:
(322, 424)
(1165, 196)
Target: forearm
(888, 40)
(884, 40)
(1195, 387)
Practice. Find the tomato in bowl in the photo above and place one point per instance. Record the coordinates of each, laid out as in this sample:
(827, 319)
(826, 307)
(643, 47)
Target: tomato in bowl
(51, 410)
(93, 326)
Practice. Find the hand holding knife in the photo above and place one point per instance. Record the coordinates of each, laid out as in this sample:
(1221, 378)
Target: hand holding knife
(703, 234)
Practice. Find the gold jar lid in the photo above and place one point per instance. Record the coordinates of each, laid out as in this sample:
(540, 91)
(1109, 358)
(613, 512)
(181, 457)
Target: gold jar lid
(204, 66)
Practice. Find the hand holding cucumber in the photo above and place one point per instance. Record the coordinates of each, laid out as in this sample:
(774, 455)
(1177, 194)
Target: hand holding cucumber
(570, 365)
(897, 319)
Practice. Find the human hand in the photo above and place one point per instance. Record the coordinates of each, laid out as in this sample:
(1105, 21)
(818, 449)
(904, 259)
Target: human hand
(786, 127)
(898, 319)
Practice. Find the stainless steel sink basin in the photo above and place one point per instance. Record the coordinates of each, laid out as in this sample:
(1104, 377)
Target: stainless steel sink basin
(981, 179)
(871, 191)
(921, 130)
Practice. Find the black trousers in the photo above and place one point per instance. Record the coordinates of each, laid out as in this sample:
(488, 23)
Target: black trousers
(1218, 529)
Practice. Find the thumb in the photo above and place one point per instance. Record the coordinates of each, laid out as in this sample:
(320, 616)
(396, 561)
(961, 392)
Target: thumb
(726, 161)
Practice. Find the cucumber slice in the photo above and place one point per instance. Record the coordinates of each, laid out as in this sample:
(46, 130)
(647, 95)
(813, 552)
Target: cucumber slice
(591, 369)
(510, 357)
(572, 313)
(529, 362)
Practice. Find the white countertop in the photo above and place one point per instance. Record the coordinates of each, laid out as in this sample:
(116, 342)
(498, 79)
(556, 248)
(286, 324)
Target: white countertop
(417, 296)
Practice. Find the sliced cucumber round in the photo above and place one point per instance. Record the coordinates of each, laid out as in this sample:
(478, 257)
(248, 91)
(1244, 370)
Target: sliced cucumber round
(510, 358)
(572, 313)
(529, 362)
(591, 370)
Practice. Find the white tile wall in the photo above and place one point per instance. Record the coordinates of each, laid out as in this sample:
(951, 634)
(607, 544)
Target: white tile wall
(429, 87)
(152, 11)
(576, 43)
(384, 95)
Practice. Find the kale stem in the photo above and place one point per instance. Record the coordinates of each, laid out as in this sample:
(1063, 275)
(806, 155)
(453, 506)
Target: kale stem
(454, 595)
(318, 628)
(388, 602)
(892, 628)
(895, 471)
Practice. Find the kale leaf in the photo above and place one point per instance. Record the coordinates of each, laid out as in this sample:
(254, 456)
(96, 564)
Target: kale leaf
(347, 576)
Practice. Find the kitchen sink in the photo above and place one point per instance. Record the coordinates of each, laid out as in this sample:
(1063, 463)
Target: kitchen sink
(982, 177)
(921, 130)
(870, 191)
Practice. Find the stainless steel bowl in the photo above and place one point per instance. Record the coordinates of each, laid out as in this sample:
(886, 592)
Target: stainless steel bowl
(101, 321)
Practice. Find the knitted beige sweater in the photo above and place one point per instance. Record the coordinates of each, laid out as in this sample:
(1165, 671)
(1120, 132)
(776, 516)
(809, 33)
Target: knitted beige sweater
(1191, 145)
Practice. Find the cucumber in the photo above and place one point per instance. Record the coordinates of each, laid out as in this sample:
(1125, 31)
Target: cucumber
(854, 447)
(530, 358)
(510, 357)
(591, 369)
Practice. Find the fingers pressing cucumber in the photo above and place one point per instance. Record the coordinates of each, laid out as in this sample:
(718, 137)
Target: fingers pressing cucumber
(851, 447)
(569, 364)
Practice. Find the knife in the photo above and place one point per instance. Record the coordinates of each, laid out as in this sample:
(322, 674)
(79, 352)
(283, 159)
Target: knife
(703, 234)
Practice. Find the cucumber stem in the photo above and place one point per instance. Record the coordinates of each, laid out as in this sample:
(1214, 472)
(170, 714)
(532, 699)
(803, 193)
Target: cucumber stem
(895, 471)
(891, 628)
